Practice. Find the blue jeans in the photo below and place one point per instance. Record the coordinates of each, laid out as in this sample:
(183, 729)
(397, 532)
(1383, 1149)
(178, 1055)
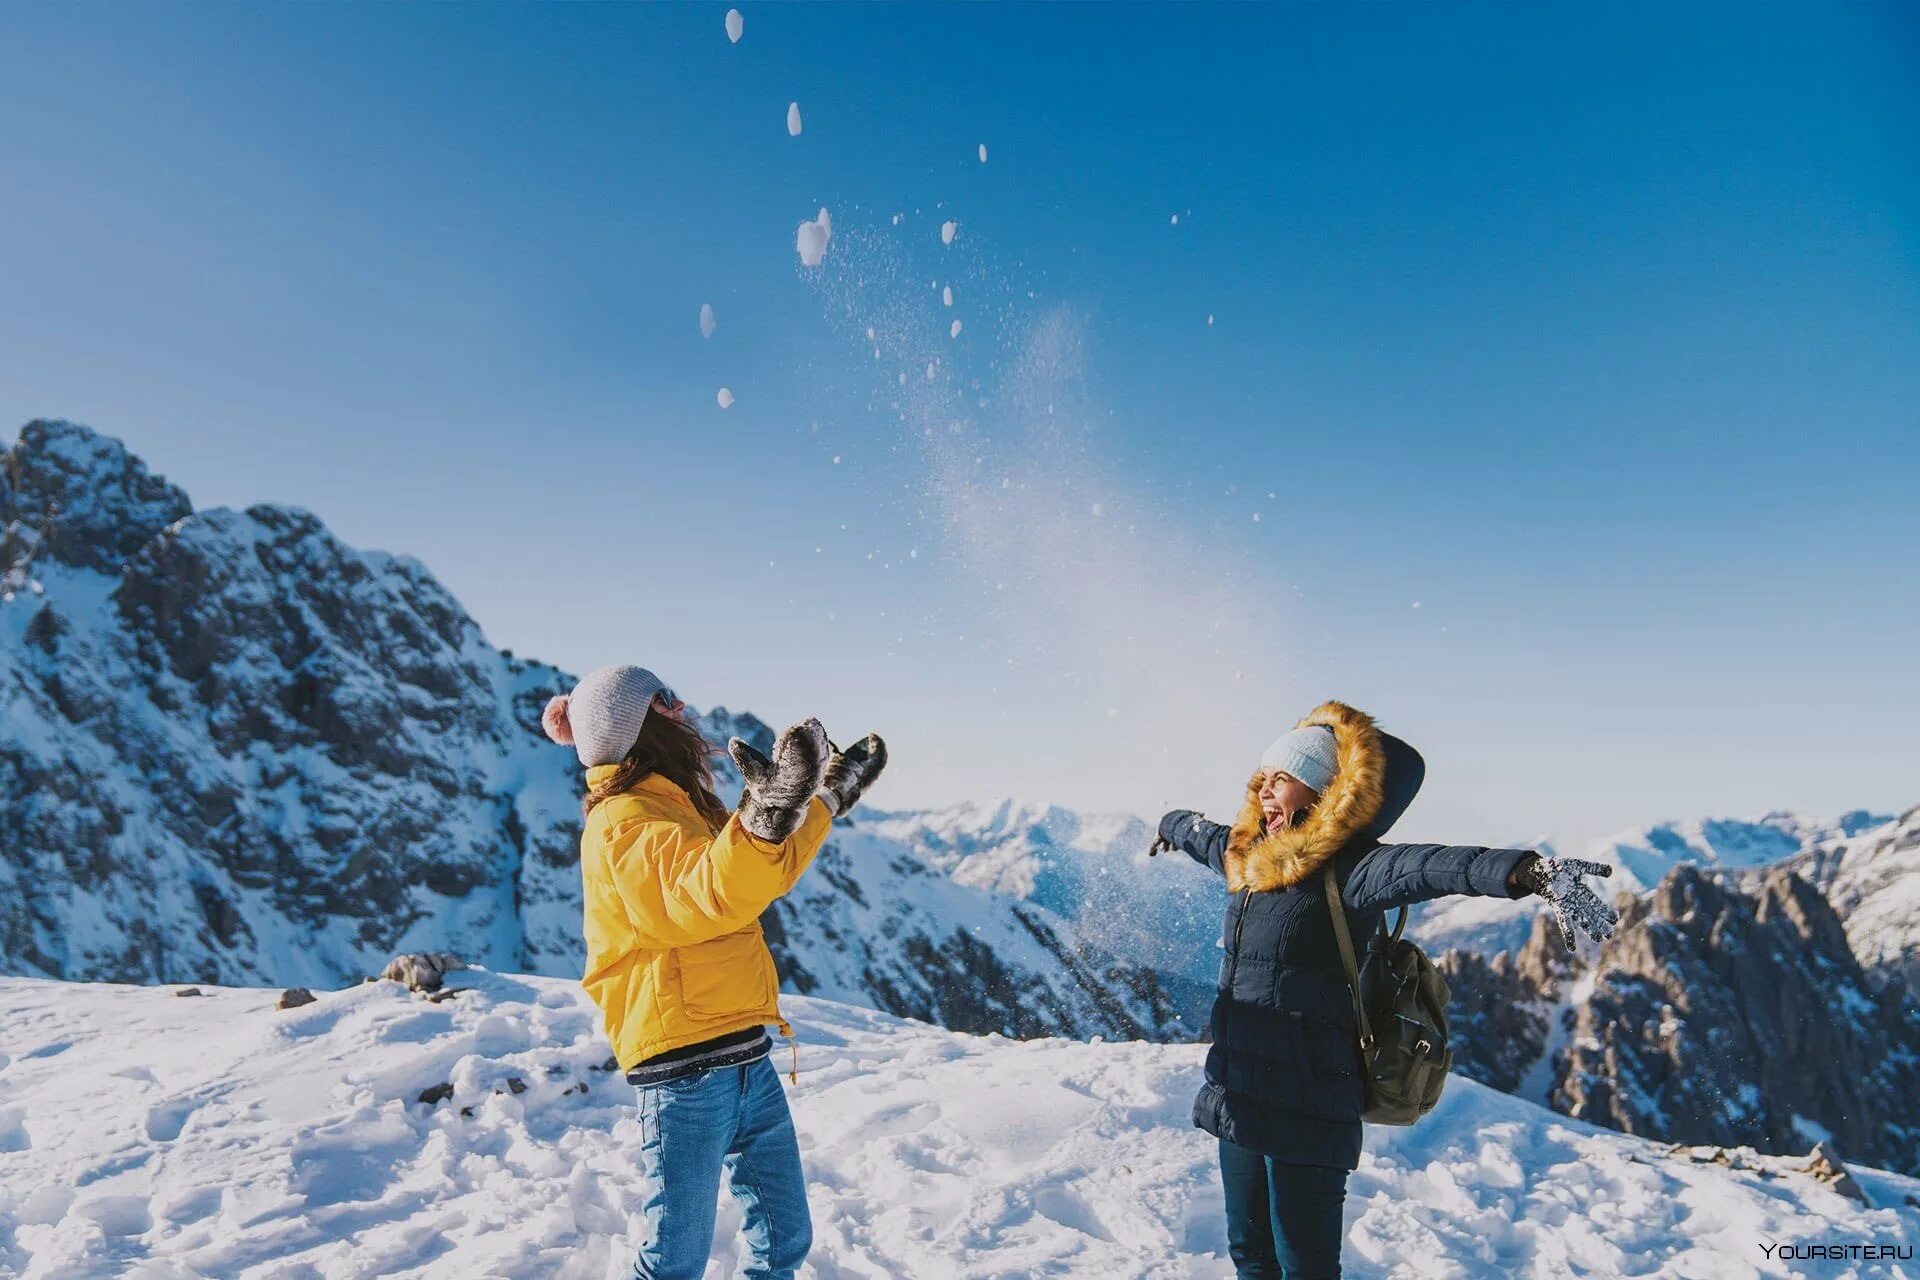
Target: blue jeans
(1284, 1221)
(734, 1118)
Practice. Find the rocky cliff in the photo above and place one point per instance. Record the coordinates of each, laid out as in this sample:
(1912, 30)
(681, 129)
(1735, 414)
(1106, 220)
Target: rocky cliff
(233, 749)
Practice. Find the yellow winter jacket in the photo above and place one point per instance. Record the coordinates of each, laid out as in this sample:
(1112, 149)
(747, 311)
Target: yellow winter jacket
(674, 949)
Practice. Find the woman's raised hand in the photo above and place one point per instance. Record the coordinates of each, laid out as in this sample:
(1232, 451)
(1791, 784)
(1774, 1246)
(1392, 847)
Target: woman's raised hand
(1562, 882)
(775, 798)
(851, 772)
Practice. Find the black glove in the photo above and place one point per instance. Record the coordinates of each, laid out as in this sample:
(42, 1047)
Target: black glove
(1161, 841)
(1561, 882)
(775, 797)
(851, 772)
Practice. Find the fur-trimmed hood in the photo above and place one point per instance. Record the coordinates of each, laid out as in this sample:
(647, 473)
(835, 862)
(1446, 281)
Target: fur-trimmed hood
(1377, 778)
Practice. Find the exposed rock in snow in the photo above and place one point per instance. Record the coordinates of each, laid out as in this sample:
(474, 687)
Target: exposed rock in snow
(793, 119)
(736, 25)
(811, 239)
(724, 398)
(947, 231)
(707, 322)
(376, 1134)
(422, 970)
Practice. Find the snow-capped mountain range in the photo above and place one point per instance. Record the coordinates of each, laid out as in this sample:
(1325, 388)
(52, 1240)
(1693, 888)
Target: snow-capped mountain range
(235, 750)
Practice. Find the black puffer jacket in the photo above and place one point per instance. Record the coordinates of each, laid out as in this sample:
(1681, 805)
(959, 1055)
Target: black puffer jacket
(1282, 1075)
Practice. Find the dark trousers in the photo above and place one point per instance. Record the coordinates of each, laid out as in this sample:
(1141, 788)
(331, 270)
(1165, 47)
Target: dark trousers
(1284, 1221)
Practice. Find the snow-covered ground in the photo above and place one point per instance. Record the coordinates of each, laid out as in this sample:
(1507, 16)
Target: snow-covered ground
(148, 1135)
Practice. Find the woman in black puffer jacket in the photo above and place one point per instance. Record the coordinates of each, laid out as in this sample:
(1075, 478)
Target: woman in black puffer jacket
(1283, 1092)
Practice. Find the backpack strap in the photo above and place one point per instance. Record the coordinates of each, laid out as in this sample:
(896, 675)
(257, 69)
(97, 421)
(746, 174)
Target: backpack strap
(1345, 939)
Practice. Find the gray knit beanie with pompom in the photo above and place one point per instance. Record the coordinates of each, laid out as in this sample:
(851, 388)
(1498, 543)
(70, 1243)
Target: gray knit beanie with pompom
(602, 716)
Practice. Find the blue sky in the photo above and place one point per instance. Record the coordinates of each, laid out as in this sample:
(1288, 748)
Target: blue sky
(1595, 332)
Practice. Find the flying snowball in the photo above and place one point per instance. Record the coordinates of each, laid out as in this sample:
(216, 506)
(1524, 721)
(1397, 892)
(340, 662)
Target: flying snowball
(793, 119)
(946, 231)
(735, 25)
(811, 240)
(706, 320)
(724, 399)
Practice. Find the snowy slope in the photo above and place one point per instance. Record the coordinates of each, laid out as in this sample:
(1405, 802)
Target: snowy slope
(1090, 870)
(149, 1136)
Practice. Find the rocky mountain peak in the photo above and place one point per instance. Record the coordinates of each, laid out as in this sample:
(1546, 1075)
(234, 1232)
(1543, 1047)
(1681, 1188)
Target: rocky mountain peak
(1739, 1016)
(74, 496)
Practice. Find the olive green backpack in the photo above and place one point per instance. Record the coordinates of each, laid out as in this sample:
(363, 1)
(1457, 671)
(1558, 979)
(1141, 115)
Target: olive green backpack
(1400, 1001)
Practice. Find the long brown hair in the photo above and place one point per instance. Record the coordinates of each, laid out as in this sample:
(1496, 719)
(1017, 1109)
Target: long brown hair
(673, 749)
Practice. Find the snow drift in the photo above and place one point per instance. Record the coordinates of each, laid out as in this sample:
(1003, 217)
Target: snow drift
(148, 1135)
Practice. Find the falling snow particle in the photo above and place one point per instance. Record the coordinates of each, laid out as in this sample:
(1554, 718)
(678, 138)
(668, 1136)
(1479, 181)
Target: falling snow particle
(811, 239)
(725, 398)
(946, 231)
(946, 296)
(955, 331)
(983, 153)
(1099, 509)
(897, 218)
(735, 25)
(836, 462)
(1209, 319)
(1416, 604)
(1174, 220)
(706, 320)
(793, 119)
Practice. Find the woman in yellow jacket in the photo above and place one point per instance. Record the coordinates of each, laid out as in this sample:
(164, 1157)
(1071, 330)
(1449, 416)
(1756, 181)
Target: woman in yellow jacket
(673, 889)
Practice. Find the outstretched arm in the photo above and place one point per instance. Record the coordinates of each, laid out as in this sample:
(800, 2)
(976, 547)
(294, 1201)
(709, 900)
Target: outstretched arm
(1398, 875)
(1205, 842)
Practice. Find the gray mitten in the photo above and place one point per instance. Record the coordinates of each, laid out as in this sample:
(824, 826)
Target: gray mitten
(851, 772)
(1561, 882)
(775, 797)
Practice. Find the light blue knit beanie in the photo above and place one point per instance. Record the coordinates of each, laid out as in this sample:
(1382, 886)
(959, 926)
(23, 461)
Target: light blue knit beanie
(1308, 754)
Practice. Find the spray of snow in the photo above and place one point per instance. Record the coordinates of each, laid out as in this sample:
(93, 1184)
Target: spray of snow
(735, 25)
(707, 322)
(1080, 572)
(811, 239)
(724, 398)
